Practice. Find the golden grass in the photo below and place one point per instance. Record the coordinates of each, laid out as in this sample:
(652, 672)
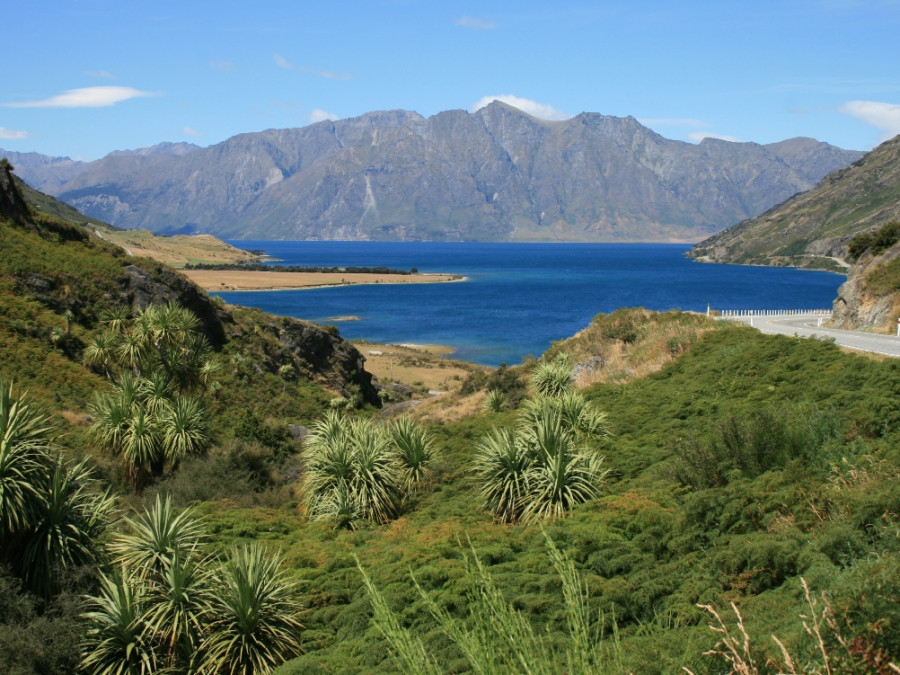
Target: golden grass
(424, 368)
(655, 344)
(449, 408)
(179, 250)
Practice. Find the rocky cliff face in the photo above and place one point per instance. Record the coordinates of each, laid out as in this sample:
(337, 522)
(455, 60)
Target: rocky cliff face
(496, 174)
(12, 205)
(862, 305)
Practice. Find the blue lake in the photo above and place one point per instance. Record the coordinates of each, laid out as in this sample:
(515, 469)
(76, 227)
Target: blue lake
(521, 297)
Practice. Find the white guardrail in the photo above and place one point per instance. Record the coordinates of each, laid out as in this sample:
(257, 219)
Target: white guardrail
(739, 313)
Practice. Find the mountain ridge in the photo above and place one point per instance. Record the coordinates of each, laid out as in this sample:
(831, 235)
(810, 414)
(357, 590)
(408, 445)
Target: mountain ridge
(494, 174)
(817, 223)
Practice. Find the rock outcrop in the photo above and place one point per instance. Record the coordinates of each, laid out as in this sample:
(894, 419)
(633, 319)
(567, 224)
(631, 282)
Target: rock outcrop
(326, 354)
(12, 205)
(862, 305)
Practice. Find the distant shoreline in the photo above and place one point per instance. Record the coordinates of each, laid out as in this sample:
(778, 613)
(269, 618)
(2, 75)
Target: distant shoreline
(241, 280)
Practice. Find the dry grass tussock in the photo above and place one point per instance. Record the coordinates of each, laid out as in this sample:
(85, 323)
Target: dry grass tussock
(632, 343)
(449, 408)
(820, 623)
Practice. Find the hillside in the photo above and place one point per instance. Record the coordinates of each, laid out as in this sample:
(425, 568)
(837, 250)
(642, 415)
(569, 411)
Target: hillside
(819, 223)
(737, 470)
(176, 251)
(493, 175)
(55, 276)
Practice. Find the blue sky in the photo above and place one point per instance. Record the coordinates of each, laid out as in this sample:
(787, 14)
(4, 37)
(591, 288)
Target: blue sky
(85, 77)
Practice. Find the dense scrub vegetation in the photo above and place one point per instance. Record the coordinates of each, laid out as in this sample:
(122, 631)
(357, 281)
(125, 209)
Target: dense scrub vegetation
(745, 465)
(736, 468)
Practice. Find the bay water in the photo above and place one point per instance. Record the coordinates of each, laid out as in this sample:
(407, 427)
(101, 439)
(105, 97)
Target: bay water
(519, 298)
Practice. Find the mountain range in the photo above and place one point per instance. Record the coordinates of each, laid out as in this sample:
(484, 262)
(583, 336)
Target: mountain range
(496, 174)
(818, 223)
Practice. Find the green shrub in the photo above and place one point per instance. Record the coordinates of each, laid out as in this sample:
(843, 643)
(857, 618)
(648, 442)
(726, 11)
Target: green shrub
(876, 242)
(508, 381)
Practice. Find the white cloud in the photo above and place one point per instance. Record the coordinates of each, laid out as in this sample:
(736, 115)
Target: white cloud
(12, 134)
(698, 136)
(224, 66)
(282, 62)
(190, 131)
(87, 97)
(533, 108)
(474, 23)
(884, 116)
(330, 74)
(319, 115)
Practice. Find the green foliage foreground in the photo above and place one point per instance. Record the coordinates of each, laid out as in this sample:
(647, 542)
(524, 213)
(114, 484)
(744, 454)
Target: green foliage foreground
(747, 464)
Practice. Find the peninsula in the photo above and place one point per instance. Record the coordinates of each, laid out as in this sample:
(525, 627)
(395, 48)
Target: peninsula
(252, 280)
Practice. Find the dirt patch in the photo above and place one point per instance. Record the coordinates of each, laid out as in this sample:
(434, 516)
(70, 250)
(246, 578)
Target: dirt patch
(425, 369)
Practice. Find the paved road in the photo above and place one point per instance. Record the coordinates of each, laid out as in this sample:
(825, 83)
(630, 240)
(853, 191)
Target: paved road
(805, 326)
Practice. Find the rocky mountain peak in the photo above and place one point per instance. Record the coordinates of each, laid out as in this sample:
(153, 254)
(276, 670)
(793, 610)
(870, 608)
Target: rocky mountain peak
(496, 174)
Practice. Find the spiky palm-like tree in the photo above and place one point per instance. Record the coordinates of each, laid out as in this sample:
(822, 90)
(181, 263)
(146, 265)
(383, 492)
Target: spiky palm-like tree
(187, 360)
(350, 467)
(500, 467)
(376, 484)
(115, 642)
(100, 352)
(116, 318)
(543, 467)
(147, 429)
(253, 621)
(171, 608)
(552, 378)
(147, 420)
(329, 456)
(208, 370)
(185, 430)
(69, 527)
(156, 392)
(133, 349)
(160, 555)
(51, 517)
(112, 414)
(141, 448)
(414, 448)
(24, 458)
(156, 536)
(495, 401)
(356, 469)
(573, 411)
(562, 475)
(178, 602)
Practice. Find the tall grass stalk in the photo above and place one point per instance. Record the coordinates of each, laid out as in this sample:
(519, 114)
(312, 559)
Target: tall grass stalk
(497, 637)
(406, 647)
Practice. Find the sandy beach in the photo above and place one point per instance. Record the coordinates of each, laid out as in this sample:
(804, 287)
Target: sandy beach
(232, 280)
